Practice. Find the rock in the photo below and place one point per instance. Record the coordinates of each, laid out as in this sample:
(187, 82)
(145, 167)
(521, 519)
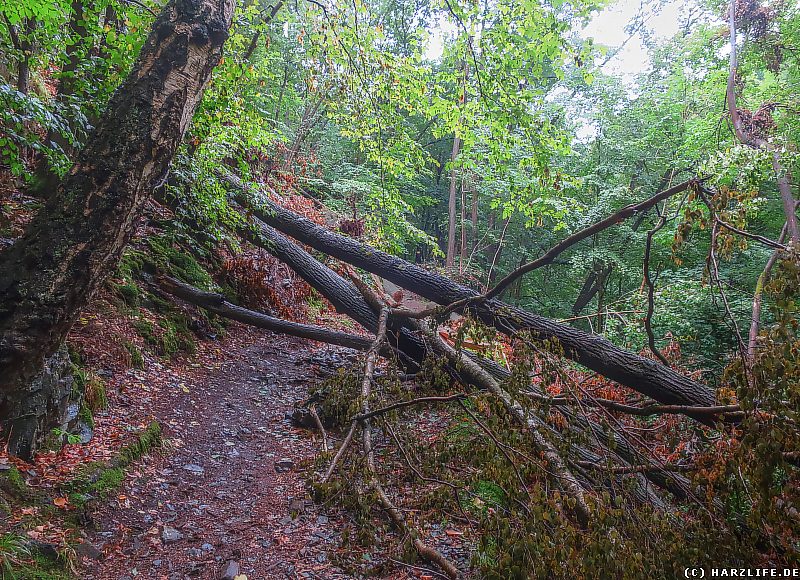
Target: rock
(194, 552)
(231, 571)
(207, 547)
(47, 403)
(171, 535)
(84, 432)
(322, 520)
(283, 465)
(194, 468)
(88, 551)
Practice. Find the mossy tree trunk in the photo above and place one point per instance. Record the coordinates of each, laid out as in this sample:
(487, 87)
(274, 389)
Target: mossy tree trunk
(75, 241)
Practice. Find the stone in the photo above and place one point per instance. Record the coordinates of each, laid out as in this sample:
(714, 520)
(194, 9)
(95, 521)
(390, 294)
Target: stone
(171, 535)
(231, 571)
(283, 465)
(88, 551)
(194, 468)
(47, 403)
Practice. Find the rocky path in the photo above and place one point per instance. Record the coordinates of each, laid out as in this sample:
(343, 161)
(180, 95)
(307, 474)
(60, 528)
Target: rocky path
(227, 499)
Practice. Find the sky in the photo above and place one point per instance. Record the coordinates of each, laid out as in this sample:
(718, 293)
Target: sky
(607, 28)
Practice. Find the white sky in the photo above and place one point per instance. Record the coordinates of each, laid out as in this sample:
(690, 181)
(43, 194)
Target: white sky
(607, 28)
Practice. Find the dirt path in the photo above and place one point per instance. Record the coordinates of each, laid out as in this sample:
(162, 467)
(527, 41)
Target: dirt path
(228, 496)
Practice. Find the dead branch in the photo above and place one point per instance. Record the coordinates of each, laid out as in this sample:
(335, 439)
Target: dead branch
(413, 402)
(313, 412)
(531, 423)
(395, 514)
(218, 304)
(613, 219)
(645, 411)
(651, 287)
(622, 469)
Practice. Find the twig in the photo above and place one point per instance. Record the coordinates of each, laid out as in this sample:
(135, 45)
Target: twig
(395, 514)
(549, 256)
(402, 404)
(342, 448)
(313, 411)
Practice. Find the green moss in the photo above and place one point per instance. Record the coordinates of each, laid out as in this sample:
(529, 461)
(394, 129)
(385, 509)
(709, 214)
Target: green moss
(99, 479)
(173, 335)
(148, 439)
(131, 264)
(137, 360)
(167, 257)
(15, 482)
(129, 292)
(86, 416)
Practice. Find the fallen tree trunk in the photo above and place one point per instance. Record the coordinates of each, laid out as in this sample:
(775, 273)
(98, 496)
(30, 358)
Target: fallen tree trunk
(217, 304)
(594, 352)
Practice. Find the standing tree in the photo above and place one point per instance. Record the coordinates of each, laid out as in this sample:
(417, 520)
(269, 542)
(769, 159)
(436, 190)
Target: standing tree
(75, 241)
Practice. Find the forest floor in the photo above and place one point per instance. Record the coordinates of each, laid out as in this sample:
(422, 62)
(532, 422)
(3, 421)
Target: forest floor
(226, 496)
(229, 496)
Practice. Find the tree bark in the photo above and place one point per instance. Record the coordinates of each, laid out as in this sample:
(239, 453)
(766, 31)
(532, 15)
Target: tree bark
(594, 352)
(451, 207)
(217, 304)
(75, 241)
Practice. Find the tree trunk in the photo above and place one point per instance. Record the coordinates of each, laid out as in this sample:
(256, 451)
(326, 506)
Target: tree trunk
(451, 207)
(75, 241)
(594, 352)
(26, 52)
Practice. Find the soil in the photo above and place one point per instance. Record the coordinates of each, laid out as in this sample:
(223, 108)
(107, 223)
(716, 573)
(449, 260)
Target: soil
(229, 492)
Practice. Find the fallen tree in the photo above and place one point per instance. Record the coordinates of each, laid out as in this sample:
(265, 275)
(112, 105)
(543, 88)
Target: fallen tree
(641, 374)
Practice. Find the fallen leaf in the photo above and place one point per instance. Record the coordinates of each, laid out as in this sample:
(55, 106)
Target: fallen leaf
(61, 502)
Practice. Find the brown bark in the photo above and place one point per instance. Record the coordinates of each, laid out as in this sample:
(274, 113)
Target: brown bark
(71, 246)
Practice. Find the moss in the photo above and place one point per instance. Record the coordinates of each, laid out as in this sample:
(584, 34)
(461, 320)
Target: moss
(178, 263)
(147, 440)
(129, 292)
(137, 360)
(173, 335)
(131, 264)
(99, 480)
(15, 483)
(85, 415)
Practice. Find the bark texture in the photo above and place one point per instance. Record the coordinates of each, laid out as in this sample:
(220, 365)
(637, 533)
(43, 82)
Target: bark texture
(594, 352)
(72, 245)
